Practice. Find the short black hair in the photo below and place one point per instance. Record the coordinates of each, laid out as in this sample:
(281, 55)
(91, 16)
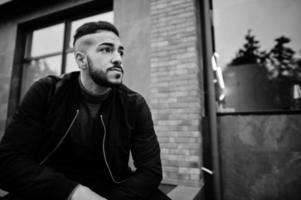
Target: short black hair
(94, 27)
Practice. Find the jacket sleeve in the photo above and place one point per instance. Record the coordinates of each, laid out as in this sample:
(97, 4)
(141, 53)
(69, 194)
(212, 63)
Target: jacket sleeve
(19, 173)
(146, 155)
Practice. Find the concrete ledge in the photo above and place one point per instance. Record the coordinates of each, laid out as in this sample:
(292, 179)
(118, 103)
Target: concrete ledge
(184, 193)
(173, 192)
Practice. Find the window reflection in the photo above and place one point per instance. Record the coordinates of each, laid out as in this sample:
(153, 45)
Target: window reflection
(47, 40)
(37, 69)
(71, 64)
(260, 54)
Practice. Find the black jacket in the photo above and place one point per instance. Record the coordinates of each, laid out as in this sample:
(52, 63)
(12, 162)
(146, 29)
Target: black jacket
(43, 120)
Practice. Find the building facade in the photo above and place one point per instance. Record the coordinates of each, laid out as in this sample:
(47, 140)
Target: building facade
(225, 104)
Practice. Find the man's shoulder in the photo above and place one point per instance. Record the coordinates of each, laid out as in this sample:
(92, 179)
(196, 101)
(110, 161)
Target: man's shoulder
(52, 85)
(55, 81)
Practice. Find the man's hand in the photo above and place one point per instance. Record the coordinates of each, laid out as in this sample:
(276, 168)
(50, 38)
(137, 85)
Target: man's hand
(84, 193)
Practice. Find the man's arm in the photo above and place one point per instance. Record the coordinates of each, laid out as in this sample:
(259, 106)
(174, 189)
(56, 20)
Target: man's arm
(19, 173)
(146, 155)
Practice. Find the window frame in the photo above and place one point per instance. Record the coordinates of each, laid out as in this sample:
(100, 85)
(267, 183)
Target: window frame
(66, 39)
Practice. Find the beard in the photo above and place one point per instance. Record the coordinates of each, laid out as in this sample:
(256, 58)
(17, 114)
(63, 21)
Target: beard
(100, 77)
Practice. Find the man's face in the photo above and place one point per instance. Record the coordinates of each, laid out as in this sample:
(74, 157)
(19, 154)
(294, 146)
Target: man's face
(104, 53)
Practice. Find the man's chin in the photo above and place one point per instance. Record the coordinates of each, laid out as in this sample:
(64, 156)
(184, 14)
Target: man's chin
(115, 80)
(107, 83)
(115, 84)
(110, 83)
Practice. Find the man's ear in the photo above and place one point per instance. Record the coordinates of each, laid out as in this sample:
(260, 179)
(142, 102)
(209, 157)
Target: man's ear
(81, 59)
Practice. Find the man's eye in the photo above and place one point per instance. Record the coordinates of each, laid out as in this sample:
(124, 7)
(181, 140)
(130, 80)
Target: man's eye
(121, 53)
(106, 50)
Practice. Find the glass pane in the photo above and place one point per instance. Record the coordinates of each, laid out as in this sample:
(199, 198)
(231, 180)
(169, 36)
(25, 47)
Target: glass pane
(259, 48)
(47, 40)
(71, 64)
(37, 69)
(108, 16)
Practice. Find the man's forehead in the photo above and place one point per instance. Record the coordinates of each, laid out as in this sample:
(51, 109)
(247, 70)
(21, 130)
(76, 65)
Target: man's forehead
(98, 38)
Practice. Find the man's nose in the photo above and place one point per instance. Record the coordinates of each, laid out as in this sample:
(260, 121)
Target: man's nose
(117, 59)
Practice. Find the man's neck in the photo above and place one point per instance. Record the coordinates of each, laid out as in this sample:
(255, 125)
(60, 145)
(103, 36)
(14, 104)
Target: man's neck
(93, 88)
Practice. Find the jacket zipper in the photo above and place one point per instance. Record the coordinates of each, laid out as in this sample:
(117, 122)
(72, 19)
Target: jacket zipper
(104, 152)
(61, 140)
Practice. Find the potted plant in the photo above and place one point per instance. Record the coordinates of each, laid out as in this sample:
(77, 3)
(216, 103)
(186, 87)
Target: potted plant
(285, 71)
(281, 63)
(250, 53)
(261, 80)
(247, 84)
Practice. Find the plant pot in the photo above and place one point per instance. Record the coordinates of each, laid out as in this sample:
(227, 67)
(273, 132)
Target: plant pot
(249, 89)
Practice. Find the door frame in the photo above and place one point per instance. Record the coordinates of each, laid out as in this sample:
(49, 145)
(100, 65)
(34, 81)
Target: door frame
(211, 152)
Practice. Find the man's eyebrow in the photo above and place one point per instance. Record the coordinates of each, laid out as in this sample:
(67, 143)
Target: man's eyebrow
(106, 44)
(111, 45)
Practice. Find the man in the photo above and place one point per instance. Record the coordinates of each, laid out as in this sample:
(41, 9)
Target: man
(71, 136)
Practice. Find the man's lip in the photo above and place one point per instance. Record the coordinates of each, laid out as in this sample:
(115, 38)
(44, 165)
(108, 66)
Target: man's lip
(116, 69)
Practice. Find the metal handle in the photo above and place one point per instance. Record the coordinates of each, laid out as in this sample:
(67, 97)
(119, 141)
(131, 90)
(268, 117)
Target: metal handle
(219, 79)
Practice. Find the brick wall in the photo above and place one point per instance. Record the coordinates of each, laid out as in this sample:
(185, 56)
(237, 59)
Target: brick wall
(175, 91)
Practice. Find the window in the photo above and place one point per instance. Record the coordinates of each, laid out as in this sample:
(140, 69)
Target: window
(49, 50)
(258, 59)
